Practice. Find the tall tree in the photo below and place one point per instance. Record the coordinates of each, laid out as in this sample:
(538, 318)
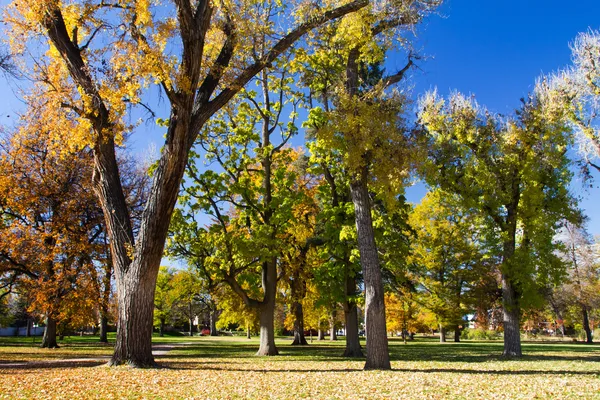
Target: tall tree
(366, 125)
(515, 173)
(200, 54)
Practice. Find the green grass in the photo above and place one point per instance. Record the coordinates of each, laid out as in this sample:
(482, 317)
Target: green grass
(225, 367)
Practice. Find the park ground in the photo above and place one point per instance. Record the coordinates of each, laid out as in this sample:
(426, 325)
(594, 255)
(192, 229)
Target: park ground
(225, 368)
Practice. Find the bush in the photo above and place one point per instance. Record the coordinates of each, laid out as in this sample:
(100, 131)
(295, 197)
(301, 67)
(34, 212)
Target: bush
(479, 334)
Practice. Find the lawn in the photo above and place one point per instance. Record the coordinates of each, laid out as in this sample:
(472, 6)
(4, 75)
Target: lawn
(216, 368)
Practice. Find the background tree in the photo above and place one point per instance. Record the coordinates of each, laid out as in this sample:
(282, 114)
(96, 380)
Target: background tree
(50, 229)
(448, 254)
(514, 172)
(163, 299)
(581, 288)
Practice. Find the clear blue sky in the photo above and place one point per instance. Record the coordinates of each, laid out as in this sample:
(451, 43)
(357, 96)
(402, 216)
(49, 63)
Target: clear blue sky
(496, 50)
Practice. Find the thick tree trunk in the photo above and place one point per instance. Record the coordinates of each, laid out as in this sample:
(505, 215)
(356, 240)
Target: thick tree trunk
(49, 339)
(267, 310)
(320, 334)
(267, 330)
(511, 312)
(214, 317)
(456, 334)
(377, 345)
(442, 333)
(135, 295)
(353, 348)
(103, 328)
(586, 325)
(299, 338)
(29, 323)
(332, 332)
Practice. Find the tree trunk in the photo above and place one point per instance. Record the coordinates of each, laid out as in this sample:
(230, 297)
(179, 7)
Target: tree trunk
(512, 332)
(456, 334)
(29, 323)
(299, 338)
(161, 328)
(267, 330)
(267, 309)
(135, 295)
(320, 334)
(49, 339)
(353, 348)
(510, 300)
(442, 334)
(377, 345)
(248, 336)
(103, 328)
(332, 332)
(214, 317)
(586, 325)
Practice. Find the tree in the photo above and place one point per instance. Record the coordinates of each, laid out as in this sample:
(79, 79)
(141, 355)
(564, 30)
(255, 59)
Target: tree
(576, 89)
(514, 173)
(583, 281)
(50, 228)
(366, 125)
(163, 298)
(338, 276)
(449, 257)
(200, 54)
(186, 289)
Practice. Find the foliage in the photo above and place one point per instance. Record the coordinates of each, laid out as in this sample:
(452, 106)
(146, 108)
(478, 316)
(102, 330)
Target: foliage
(479, 334)
(448, 258)
(512, 172)
(51, 228)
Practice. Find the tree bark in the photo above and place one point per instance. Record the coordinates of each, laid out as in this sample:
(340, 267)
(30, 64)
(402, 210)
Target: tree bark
(161, 328)
(456, 334)
(511, 312)
(299, 338)
(267, 330)
(248, 335)
(332, 332)
(377, 345)
(214, 317)
(103, 328)
(353, 348)
(29, 323)
(135, 295)
(49, 339)
(586, 325)
(320, 334)
(442, 334)
(267, 309)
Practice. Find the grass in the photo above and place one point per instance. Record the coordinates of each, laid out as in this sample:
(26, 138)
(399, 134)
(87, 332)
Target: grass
(225, 367)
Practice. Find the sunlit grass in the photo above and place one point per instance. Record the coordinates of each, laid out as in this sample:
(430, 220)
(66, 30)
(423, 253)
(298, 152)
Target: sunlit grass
(225, 367)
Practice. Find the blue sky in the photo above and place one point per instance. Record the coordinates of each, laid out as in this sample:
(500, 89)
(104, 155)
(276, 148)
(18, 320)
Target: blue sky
(492, 49)
(496, 50)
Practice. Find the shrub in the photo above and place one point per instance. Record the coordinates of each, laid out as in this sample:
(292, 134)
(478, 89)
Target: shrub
(479, 334)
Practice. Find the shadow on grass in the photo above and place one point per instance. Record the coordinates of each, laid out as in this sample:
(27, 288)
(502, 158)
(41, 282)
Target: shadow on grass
(185, 366)
(215, 353)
